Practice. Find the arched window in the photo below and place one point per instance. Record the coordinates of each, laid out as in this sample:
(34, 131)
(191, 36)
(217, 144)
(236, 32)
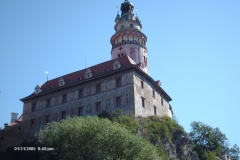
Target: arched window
(130, 37)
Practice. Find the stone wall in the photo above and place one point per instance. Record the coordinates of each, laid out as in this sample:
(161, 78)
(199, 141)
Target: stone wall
(151, 99)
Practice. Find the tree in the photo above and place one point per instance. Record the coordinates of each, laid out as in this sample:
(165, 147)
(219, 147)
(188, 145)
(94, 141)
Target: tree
(207, 139)
(234, 152)
(93, 138)
(211, 156)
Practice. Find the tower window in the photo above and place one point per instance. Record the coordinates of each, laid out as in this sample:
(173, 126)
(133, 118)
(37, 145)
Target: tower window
(143, 102)
(131, 25)
(153, 94)
(98, 107)
(33, 107)
(47, 119)
(80, 93)
(142, 84)
(80, 111)
(63, 115)
(118, 101)
(118, 82)
(161, 101)
(32, 123)
(155, 110)
(98, 89)
(64, 99)
(49, 103)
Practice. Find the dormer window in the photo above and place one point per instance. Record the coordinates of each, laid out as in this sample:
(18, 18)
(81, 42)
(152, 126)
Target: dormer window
(61, 82)
(88, 73)
(38, 89)
(116, 65)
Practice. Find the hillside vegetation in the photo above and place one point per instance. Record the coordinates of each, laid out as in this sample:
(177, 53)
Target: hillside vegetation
(113, 136)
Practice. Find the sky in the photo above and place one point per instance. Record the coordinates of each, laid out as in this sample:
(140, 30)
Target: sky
(193, 49)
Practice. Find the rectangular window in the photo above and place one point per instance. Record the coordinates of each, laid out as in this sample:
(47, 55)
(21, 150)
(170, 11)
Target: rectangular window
(80, 111)
(33, 107)
(118, 82)
(64, 98)
(142, 84)
(161, 101)
(98, 107)
(98, 88)
(153, 94)
(32, 123)
(47, 119)
(63, 115)
(143, 102)
(155, 110)
(118, 101)
(80, 93)
(49, 103)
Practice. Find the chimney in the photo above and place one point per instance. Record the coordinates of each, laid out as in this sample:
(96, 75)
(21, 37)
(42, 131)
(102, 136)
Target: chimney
(5, 125)
(13, 117)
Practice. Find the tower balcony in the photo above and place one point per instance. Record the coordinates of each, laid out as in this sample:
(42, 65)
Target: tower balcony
(128, 42)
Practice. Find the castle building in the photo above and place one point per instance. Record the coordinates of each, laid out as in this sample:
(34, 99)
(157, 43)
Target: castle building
(122, 83)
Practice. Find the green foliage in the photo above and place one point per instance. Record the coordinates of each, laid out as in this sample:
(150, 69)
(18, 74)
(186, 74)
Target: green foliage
(127, 122)
(160, 127)
(207, 139)
(234, 152)
(158, 130)
(105, 114)
(93, 138)
(211, 156)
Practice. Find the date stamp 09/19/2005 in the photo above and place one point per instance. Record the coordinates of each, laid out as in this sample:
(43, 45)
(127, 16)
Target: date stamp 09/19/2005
(33, 149)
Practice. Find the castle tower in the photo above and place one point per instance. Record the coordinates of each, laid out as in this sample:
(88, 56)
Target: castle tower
(128, 38)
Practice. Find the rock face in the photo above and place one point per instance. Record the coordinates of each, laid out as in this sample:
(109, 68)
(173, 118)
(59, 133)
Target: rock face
(168, 136)
(179, 147)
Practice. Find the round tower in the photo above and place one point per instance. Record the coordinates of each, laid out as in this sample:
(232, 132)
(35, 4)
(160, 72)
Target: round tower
(128, 38)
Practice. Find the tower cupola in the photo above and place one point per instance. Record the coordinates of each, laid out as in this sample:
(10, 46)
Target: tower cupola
(127, 7)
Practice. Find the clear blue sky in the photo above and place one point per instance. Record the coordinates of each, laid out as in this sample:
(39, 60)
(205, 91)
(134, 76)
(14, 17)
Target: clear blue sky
(193, 46)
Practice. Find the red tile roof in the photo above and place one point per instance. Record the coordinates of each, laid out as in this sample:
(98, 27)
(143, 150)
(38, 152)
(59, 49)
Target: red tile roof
(97, 70)
(16, 122)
